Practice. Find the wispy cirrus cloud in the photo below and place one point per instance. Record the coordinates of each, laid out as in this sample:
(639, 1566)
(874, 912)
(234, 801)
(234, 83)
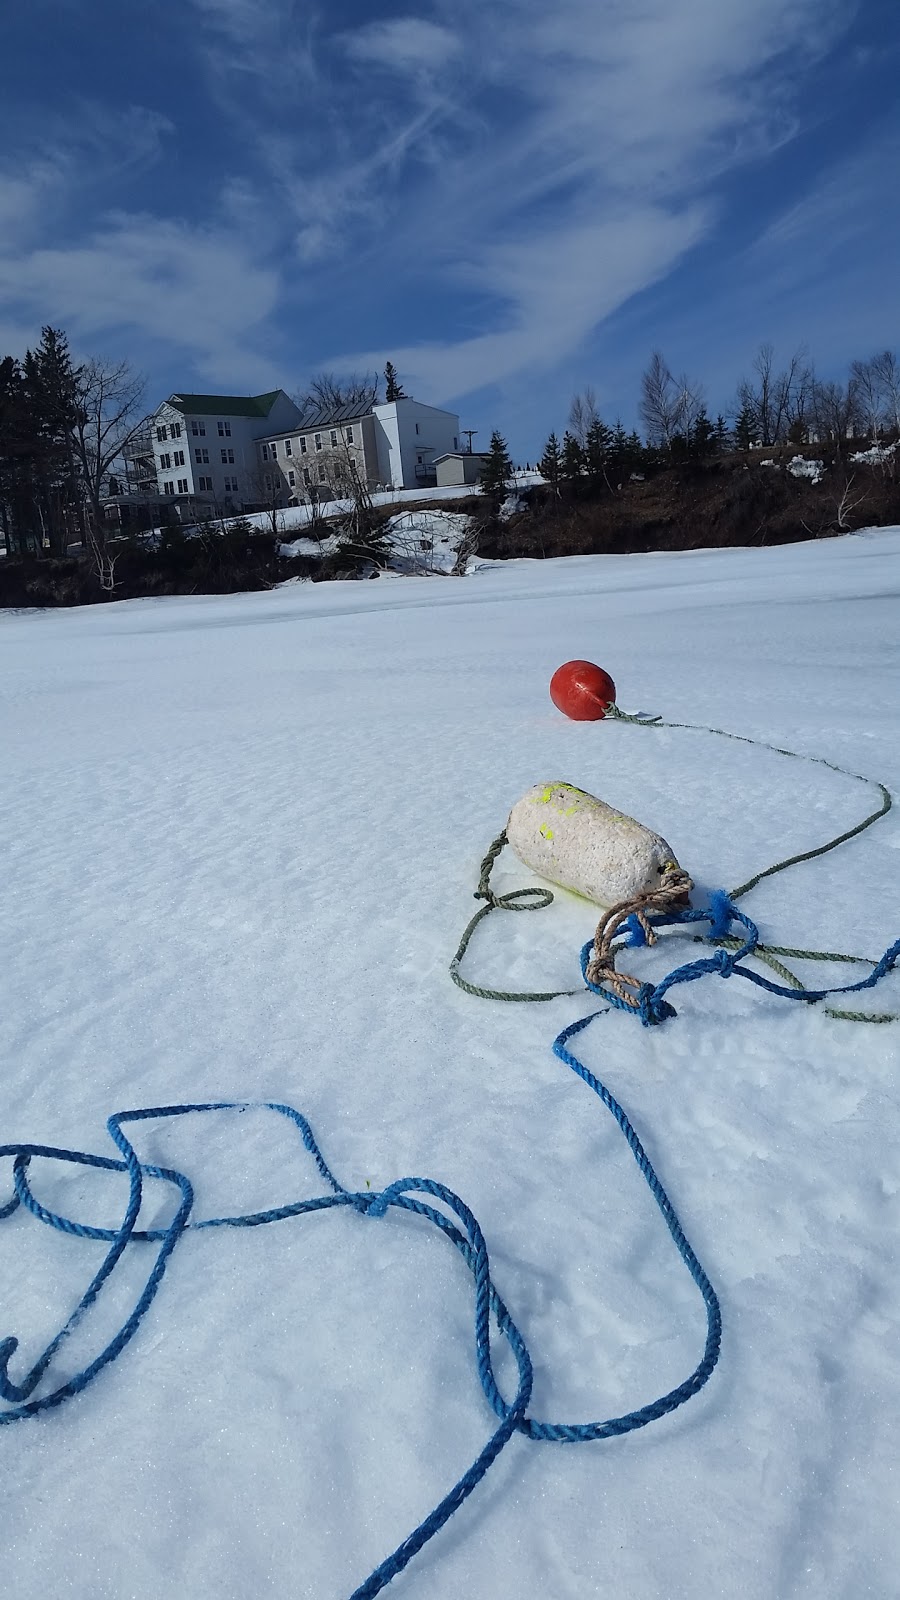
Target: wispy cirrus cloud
(183, 286)
(516, 173)
(410, 45)
(587, 142)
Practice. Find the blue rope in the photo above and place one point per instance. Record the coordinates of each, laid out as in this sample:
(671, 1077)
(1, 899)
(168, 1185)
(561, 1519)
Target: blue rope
(651, 1005)
(461, 1228)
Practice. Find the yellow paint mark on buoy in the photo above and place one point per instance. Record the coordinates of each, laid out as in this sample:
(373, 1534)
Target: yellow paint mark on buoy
(547, 832)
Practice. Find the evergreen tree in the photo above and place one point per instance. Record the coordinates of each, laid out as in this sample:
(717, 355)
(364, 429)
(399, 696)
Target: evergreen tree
(702, 435)
(550, 463)
(572, 464)
(746, 428)
(21, 522)
(52, 385)
(598, 441)
(722, 435)
(497, 469)
(619, 456)
(393, 388)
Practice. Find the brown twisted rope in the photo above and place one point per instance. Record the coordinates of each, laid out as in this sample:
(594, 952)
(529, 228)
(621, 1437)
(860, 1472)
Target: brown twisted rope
(674, 888)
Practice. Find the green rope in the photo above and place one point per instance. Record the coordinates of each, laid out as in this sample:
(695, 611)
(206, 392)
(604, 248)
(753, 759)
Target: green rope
(538, 898)
(741, 738)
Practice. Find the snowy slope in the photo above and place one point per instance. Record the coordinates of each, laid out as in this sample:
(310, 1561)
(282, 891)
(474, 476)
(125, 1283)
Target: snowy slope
(240, 837)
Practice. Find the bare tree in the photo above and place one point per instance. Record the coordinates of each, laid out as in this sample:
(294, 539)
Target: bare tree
(869, 396)
(836, 412)
(847, 502)
(328, 392)
(270, 489)
(583, 415)
(657, 411)
(779, 402)
(107, 414)
(669, 406)
(886, 368)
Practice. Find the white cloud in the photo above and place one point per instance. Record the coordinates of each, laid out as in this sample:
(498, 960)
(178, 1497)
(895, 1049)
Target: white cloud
(194, 289)
(405, 44)
(580, 142)
(553, 290)
(542, 164)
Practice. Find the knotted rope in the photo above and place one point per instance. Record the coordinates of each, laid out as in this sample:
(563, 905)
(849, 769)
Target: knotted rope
(674, 889)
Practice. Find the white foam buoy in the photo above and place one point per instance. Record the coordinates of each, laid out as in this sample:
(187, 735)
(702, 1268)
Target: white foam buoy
(581, 843)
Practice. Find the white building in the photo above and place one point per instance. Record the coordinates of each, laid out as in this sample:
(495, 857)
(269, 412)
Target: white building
(205, 449)
(389, 446)
(410, 437)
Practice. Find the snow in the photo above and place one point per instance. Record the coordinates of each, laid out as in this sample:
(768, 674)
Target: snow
(876, 456)
(426, 541)
(801, 467)
(300, 516)
(415, 542)
(241, 835)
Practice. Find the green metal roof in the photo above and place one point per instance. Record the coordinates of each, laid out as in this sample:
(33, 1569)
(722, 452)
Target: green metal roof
(225, 405)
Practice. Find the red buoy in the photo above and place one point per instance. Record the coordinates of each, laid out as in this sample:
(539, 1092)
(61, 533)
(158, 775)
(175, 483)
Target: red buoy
(582, 691)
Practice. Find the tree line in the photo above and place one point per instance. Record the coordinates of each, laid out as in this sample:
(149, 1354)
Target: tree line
(773, 406)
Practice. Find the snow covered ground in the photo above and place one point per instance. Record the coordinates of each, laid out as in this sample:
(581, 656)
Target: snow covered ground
(416, 542)
(240, 837)
(300, 516)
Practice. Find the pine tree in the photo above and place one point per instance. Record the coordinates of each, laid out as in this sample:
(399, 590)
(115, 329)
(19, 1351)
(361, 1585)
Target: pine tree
(572, 463)
(598, 441)
(702, 435)
(550, 463)
(497, 469)
(52, 386)
(746, 428)
(722, 435)
(394, 389)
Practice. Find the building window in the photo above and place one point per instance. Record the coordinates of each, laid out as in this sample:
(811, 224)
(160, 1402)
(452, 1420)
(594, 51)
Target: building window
(322, 474)
(265, 452)
(417, 427)
(455, 442)
(161, 433)
(306, 477)
(349, 435)
(230, 485)
(292, 478)
(166, 463)
(198, 429)
(169, 488)
(178, 458)
(318, 441)
(174, 430)
(303, 445)
(419, 459)
(274, 448)
(267, 481)
(201, 457)
(224, 429)
(334, 438)
(205, 485)
(182, 486)
(288, 448)
(228, 458)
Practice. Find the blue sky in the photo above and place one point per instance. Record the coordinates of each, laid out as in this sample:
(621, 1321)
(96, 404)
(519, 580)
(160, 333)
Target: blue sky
(511, 200)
